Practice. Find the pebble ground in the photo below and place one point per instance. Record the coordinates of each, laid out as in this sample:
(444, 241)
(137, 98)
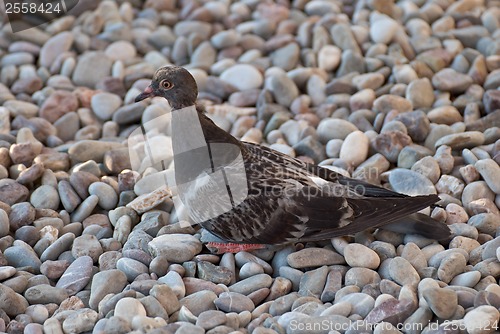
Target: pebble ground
(403, 94)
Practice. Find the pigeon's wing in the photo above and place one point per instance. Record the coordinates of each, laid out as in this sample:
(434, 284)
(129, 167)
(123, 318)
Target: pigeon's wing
(358, 214)
(358, 186)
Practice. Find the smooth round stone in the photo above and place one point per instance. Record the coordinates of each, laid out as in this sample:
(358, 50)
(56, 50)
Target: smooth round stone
(410, 183)
(361, 277)
(234, 302)
(38, 313)
(77, 275)
(390, 144)
(251, 284)
(86, 150)
(128, 307)
(490, 171)
(176, 248)
(443, 302)
(468, 279)
(456, 214)
(54, 47)
(166, 297)
(175, 282)
(368, 81)
(250, 269)
(333, 128)
(87, 245)
(252, 77)
(105, 104)
(476, 190)
(383, 30)
(355, 147)
(450, 185)
(286, 57)
(11, 302)
(45, 294)
(312, 282)
(7, 272)
(361, 303)
(17, 58)
(329, 57)
(120, 50)
(58, 247)
(451, 266)
(22, 255)
(357, 255)
(82, 320)
(449, 80)
(12, 192)
(132, 268)
(314, 257)
(85, 209)
(91, 68)
(225, 39)
(45, 197)
(216, 274)
(387, 103)
(428, 167)
(482, 319)
(402, 272)
(283, 89)
(420, 93)
(106, 282)
(333, 148)
(69, 198)
(106, 194)
(210, 319)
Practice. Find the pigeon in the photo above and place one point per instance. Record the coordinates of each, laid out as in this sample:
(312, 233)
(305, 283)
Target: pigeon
(278, 199)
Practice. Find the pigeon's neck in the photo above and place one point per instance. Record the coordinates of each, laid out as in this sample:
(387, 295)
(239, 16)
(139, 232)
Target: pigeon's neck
(184, 122)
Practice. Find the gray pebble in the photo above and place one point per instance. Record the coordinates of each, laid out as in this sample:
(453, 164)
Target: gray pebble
(410, 183)
(314, 257)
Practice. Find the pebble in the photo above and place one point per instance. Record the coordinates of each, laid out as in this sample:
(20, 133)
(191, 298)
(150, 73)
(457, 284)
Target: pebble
(104, 105)
(490, 172)
(410, 183)
(314, 257)
(91, 68)
(443, 302)
(175, 247)
(234, 302)
(77, 275)
(355, 147)
(358, 255)
(234, 75)
(332, 128)
(106, 194)
(462, 140)
(481, 319)
(283, 89)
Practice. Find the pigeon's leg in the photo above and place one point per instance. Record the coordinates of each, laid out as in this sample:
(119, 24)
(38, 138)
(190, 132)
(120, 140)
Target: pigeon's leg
(222, 247)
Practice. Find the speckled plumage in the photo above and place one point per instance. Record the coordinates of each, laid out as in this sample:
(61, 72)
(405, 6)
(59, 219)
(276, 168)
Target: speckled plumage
(288, 200)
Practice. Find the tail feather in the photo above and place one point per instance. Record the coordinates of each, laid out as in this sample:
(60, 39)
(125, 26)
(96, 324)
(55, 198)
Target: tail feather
(418, 223)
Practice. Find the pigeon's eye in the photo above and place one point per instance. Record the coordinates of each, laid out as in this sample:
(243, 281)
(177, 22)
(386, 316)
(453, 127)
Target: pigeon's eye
(165, 84)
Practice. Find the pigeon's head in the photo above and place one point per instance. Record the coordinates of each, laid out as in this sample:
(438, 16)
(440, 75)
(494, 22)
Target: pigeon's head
(175, 84)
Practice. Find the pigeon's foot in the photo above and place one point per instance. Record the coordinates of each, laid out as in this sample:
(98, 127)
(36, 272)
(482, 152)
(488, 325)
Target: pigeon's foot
(222, 247)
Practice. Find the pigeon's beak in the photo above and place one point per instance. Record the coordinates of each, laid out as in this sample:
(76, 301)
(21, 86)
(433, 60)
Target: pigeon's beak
(148, 92)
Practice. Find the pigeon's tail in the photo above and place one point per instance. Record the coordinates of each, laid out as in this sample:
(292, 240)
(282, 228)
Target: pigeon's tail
(418, 223)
